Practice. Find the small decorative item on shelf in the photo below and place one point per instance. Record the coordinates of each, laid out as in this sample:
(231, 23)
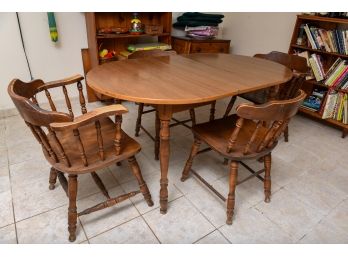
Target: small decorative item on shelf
(136, 25)
(153, 29)
(106, 55)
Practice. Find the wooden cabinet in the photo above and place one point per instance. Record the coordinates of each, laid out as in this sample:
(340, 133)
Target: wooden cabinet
(185, 45)
(120, 42)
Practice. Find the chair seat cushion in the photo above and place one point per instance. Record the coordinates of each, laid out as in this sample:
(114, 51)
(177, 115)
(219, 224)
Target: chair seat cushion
(88, 135)
(217, 133)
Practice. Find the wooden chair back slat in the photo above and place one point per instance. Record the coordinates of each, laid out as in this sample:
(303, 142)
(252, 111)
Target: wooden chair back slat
(34, 100)
(45, 142)
(118, 134)
(59, 147)
(100, 140)
(233, 139)
(67, 101)
(253, 137)
(80, 147)
(38, 138)
(81, 98)
(269, 135)
(48, 95)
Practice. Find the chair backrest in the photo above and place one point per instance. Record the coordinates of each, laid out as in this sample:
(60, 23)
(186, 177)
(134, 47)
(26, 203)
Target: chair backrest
(276, 114)
(297, 64)
(150, 53)
(24, 96)
(294, 62)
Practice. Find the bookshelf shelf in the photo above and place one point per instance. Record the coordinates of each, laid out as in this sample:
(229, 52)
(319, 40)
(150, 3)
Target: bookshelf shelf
(322, 19)
(317, 116)
(328, 57)
(318, 51)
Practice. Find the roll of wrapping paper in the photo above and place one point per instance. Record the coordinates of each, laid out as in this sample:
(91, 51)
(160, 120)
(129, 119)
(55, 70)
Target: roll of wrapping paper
(53, 27)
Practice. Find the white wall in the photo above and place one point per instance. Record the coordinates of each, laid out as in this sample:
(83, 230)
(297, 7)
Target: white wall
(250, 33)
(48, 60)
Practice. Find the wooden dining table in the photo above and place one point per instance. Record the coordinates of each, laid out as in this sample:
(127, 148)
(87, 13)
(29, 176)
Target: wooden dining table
(180, 82)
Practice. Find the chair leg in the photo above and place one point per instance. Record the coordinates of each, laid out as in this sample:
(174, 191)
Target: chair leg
(142, 184)
(72, 211)
(138, 124)
(157, 138)
(53, 178)
(230, 106)
(212, 111)
(188, 165)
(193, 117)
(232, 189)
(286, 134)
(267, 180)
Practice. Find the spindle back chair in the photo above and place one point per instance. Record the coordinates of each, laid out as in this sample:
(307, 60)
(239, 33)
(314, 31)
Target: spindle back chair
(242, 136)
(288, 90)
(77, 145)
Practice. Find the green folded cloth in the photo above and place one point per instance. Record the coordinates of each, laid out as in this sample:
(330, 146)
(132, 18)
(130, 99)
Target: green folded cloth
(207, 15)
(199, 18)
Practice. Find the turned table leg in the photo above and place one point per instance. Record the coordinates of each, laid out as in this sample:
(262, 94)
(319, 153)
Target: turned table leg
(165, 115)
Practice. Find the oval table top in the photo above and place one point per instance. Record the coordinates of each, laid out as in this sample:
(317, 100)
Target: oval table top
(185, 79)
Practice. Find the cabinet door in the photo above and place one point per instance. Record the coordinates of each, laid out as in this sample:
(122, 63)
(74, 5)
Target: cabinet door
(181, 46)
(210, 47)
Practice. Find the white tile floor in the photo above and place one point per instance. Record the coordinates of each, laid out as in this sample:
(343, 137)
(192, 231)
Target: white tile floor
(309, 192)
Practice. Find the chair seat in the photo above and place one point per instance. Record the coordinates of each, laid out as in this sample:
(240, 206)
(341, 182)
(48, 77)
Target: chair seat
(225, 126)
(88, 134)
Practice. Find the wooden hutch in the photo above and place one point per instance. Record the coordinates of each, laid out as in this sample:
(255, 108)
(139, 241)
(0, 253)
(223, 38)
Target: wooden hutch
(120, 42)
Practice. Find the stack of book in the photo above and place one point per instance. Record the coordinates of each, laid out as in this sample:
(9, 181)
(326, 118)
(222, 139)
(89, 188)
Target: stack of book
(337, 76)
(336, 107)
(316, 64)
(314, 101)
(335, 40)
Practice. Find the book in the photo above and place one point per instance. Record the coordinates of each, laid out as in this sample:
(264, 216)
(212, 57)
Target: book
(330, 104)
(310, 36)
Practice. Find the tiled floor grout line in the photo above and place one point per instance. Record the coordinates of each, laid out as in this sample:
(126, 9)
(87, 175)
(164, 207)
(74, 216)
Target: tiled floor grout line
(9, 175)
(204, 236)
(325, 216)
(196, 209)
(107, 230)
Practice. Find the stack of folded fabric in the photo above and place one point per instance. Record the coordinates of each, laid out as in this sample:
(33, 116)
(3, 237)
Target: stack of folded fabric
(202, 32)
(195, 19)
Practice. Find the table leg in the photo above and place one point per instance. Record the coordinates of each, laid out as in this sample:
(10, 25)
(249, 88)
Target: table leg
(165, 115)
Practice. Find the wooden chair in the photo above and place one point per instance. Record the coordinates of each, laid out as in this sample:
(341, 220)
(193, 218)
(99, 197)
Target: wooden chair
(296, 63)
(244, 136)
(141, 111)
(77, 145)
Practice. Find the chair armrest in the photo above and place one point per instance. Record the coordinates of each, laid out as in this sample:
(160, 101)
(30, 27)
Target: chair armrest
(61, 82)
(90, 117)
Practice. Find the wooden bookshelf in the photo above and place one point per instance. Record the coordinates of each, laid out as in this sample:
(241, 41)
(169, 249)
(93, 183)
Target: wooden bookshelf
(120, 42)
(328, 57)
